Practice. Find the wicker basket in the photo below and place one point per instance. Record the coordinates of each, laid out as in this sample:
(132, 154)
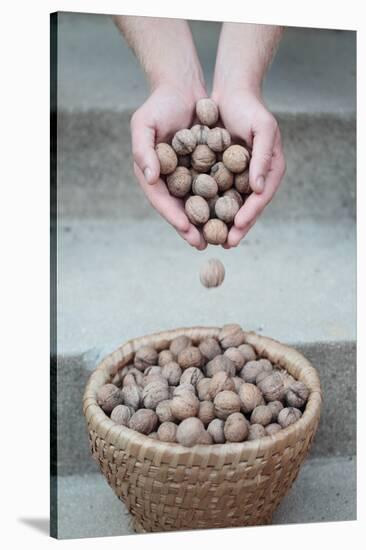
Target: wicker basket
(168, 487)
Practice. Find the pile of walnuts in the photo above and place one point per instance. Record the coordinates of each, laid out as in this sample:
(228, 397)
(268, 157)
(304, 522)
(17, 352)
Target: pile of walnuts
(215, 392)
(203, 167)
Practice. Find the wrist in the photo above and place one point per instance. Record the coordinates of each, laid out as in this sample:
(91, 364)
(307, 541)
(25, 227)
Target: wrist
(190, 89)
(227, 90)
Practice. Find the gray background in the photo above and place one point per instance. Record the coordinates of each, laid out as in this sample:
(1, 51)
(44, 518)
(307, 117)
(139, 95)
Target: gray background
(123, 271)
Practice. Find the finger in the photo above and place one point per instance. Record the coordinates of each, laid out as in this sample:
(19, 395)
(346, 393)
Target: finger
(262, 151)
(255, 203)
(143, 147)
(236, 235)
(171, 209)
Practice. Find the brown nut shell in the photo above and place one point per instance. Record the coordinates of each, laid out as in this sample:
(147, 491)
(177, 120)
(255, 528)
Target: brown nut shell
(207, 111)
(212, 273)
(179, 182)
(215, 232)
(167, 158)
(184, 142)
(236, 158)
(197, 210)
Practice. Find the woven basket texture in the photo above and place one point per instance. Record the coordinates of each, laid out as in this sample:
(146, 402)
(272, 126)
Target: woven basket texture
(168, 487)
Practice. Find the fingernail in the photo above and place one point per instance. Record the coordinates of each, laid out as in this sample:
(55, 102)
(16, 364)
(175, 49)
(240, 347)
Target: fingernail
(147, 174)
(260, 184)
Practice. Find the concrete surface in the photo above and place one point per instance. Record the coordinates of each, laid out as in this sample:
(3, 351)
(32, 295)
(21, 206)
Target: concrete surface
(325, 490)
(336, 435)
(295, 282)
(95, 177)
(314, 69)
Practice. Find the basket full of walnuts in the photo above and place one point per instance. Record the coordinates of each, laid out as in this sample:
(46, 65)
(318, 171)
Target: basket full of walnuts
(202, 427)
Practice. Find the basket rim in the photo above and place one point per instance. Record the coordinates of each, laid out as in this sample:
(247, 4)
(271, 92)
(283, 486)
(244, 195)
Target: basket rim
(140, 445)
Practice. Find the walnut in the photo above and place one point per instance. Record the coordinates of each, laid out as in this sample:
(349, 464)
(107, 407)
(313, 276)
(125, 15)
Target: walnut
(164, 411)
(216, 430)
(288, 416)
(261, 415)
(250, 397)
(192, 375)
(121, 415)
(190, 357)
(179, 343)
(226, 402)
(248, 352)
(108, 397)
(203, 389)
(200, 132)
(212, 273)
(154, 392)
(202, 158)
(209, 347)
(226, 209)
(287, 379)
(218, 139)
(236, 357)
(223, 177)
(179, 182)
(145, 357)
(167, 432)
(297, 395)
(167, 158)
(236, 158)
(241, 183)
(184, 405)
(184, 142)
(172, 372)
(206, 412)
(219, 382)
(151, 372)
(276, 407)
(189, 431)
(165, 357)
(144, 421)
(236, 427)
(272, 387)
(272, 429)
(207, 111)
(215, 231)
(256, 431)
(231, 335)
(197, 210)
(131, 396)
(233, 194)
(251, 370)
(184, 388)
(220, 363)
(205, 186)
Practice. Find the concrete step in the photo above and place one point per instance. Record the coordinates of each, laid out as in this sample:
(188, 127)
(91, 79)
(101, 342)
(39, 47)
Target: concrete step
(95, 177)
(314, 69)
(325, 490)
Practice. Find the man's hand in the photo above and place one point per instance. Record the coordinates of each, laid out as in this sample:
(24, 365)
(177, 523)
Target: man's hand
(167, 53)
(167, 110)
(246, 118)
(244, 54)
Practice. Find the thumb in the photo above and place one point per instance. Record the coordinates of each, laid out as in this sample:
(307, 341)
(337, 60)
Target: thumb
(143, 148)
(262, 151)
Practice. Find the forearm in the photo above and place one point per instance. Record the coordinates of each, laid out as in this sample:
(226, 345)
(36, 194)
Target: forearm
(165, 50)
(244, 54)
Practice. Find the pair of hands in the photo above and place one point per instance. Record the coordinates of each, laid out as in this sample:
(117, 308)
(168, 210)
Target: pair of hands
(243, 113)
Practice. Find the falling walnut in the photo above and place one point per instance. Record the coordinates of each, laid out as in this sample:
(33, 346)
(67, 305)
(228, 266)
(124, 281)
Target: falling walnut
(212, 273)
